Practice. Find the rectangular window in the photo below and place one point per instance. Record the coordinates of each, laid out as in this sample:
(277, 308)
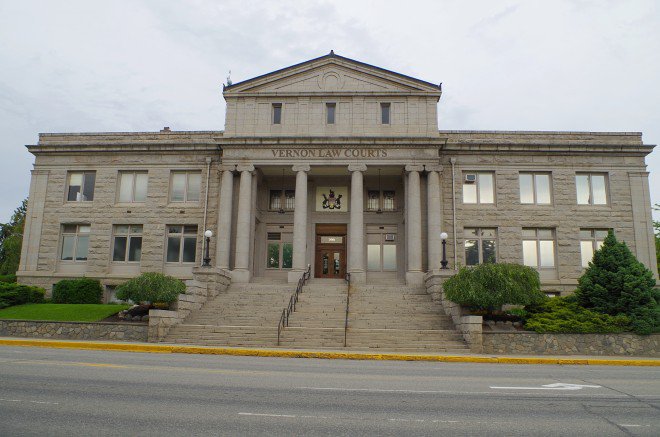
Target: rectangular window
(330, 109)
(282, 200)
(480, 246)
(181, 243)
(591, 188)
(478, 187)
(75, 242)
(385, 113)
(185, 186)
(590, 241)
(277, 113)
(280, 249)
(535, 188)
(380, 200)
(381, 250)
(539, 248)
(127, 243)
(132, 186)
(80, 186)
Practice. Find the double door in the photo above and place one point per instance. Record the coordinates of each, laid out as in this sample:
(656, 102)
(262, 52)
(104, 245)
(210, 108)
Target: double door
(330, 259)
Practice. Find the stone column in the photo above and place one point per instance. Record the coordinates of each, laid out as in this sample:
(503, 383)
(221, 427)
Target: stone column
(299, 223)
(414, 274)
(434, 209)
(356, 237)
(241, 272)
(223, 233)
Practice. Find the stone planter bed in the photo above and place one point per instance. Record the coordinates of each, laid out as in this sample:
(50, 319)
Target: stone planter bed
(74, 330)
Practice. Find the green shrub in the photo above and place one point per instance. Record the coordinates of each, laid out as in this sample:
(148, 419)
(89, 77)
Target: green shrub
(617, 283)
(151, 287)
(565, 315)
(18, 294)
(489, 286)
(8, 278)
(81, 290)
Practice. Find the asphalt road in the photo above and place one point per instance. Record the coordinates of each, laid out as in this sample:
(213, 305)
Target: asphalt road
(70, 392)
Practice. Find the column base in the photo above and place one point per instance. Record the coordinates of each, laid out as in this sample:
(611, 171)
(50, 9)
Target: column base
(294, 276)
(358, 277)
(241, 275)
(414, 278)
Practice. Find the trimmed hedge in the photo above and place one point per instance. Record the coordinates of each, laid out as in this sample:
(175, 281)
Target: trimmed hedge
(81, 290)
(151, 287)
(489, 286)
(19, 294)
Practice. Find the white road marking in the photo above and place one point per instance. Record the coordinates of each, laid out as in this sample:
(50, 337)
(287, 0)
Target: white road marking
(31, 402)
(382, 390)
(628, 425)
(555, 386)
(283, 415)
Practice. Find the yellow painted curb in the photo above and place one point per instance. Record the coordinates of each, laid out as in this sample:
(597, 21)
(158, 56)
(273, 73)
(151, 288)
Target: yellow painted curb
(168, 349)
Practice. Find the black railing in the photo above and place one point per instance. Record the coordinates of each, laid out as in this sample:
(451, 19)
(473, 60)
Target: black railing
(284, 319)
(347, 278)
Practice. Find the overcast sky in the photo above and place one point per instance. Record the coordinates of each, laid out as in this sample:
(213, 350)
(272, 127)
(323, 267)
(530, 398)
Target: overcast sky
(89, 66)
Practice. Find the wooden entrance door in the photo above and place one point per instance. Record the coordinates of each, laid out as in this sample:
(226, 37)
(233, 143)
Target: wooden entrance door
(330, 258)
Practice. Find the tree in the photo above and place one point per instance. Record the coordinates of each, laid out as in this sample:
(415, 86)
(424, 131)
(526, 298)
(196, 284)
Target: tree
(617, 283)
(11, 240)
(489, 286)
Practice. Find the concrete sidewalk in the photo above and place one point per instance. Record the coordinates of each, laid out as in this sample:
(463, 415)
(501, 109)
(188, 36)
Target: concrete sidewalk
(329, 353)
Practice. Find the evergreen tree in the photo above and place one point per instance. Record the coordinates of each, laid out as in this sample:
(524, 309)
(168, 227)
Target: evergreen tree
(617, 283)
(11, 240)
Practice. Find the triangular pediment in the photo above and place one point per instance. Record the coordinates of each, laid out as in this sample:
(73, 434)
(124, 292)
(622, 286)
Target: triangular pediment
(332, 74)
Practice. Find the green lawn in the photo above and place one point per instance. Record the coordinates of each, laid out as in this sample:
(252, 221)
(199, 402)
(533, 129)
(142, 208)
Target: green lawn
(61, 312)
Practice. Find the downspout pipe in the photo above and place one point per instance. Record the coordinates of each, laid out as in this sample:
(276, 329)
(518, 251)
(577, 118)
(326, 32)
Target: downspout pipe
(206, 202)
(452, 160)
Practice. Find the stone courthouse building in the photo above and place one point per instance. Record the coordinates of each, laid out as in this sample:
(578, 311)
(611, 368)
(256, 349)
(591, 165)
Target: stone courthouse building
(339, 165)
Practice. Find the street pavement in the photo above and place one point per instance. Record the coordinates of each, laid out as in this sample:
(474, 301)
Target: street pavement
(78, 392)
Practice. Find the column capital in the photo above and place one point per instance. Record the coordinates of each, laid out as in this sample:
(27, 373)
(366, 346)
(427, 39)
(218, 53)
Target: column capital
(433, 167)
(245, 167)
(300, 167)
(226, 167)
(414, 167)
(357, 167)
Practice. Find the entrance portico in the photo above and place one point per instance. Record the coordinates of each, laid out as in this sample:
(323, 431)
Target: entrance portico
(281, 209)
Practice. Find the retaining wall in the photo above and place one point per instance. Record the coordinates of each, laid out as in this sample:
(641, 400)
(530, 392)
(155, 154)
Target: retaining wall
(523, 343)
(74, 330)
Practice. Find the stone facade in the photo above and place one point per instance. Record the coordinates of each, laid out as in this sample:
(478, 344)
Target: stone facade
(384, 137)
(528, 343)
(74, 330)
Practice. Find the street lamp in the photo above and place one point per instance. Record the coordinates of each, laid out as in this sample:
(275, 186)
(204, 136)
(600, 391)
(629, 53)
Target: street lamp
(207, 258)
(443, 237)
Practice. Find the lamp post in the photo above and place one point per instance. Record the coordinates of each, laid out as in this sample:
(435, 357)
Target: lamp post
(443, 237)
(207, 258)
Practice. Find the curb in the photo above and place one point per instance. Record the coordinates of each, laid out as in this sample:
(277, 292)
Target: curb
(203, 350)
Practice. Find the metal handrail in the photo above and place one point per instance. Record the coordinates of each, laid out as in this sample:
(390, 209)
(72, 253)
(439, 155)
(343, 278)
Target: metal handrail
(291, 307)
(347, 278)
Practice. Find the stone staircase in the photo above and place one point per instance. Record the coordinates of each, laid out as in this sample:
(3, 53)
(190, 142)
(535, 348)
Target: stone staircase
(244, 315)
(384, 317)
(400, 318)
(388, 317)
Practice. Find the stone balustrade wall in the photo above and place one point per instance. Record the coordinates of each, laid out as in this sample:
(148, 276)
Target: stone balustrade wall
(74, 330)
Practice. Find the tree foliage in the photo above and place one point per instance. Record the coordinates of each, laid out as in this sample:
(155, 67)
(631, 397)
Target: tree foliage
(489, 286)
(617, 283)
(151, 287)
(11, 240)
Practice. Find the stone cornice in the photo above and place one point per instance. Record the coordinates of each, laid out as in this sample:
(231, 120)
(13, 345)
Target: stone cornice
(570, 149)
